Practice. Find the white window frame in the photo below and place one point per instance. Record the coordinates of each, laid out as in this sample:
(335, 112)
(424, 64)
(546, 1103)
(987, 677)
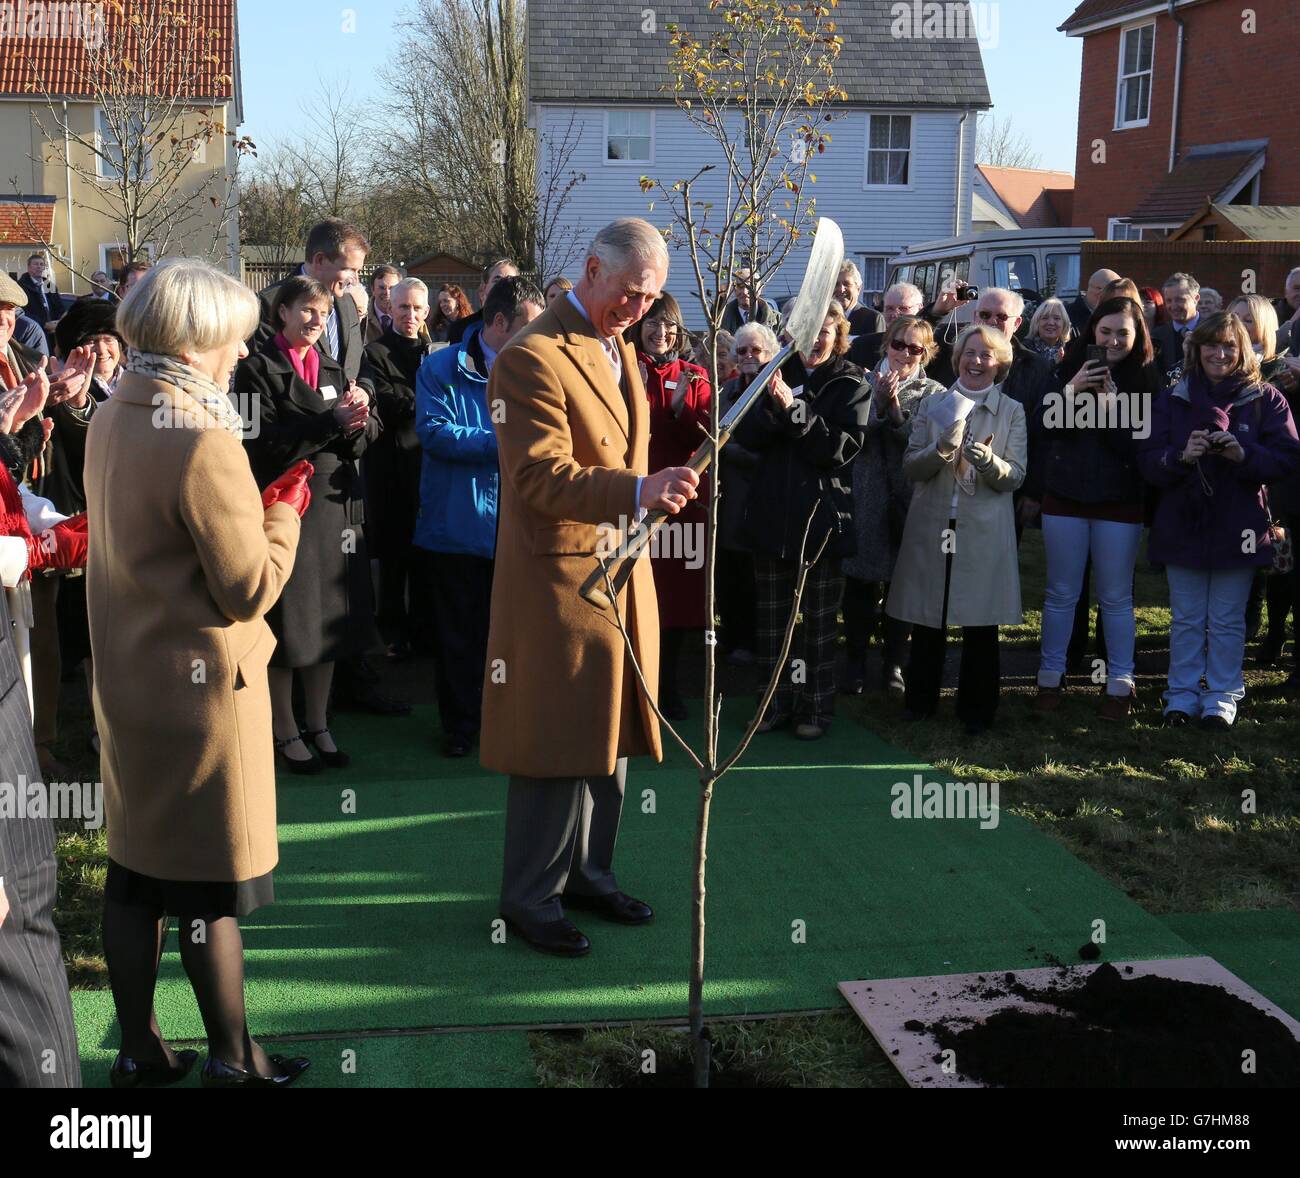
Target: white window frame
(1121, 78)
(867, 186)
(604, 139)
(106, 246)
(1113, 224)
(102, 165)
(883, 259)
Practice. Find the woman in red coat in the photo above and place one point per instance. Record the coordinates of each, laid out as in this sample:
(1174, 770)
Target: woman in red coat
(679, 395)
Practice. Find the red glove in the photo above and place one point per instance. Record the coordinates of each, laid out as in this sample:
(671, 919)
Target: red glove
(291, 488)
(61, 547)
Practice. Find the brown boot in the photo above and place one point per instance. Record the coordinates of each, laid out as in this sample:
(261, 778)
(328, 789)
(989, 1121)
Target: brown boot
(1048, 700)
(1117, 707)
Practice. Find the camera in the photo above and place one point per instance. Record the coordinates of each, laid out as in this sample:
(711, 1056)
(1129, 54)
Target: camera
(970, 292)
(1219, 444)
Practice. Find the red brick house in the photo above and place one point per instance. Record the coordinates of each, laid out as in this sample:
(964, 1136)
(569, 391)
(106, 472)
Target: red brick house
(1187, 99)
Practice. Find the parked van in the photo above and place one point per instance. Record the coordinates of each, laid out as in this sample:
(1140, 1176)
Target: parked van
(1039, 263)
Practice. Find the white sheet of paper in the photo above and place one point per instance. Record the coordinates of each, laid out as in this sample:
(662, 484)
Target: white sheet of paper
(952, 408)
(327, 392)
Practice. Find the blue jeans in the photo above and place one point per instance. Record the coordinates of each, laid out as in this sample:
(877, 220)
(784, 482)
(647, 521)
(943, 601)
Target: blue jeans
(1207, 640)
(1114, 549)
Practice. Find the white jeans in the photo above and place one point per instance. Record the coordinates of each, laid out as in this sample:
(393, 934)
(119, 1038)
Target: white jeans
(1207, 640)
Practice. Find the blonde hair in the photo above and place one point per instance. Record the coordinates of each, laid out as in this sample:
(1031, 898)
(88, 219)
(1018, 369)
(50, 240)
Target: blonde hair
(1056, 305)
(185, 305)
(906, 323)
(835, 313)
(996, 342)
(1265, 317)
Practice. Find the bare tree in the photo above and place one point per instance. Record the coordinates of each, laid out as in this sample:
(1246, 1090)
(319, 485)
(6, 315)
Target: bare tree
(1000, 145)
(759, 87)
(558, 241)
(148, 74)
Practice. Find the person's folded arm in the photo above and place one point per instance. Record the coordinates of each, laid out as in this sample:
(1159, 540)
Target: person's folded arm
(440, 432)
(536, 448)
(247, 553)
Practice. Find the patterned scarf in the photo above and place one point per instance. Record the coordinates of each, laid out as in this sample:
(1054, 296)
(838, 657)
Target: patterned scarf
(171, 370)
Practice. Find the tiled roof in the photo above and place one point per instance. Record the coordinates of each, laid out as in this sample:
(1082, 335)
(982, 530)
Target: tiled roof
(1264, 222)
(26, 220)
(1204, 172)
(1091, 11)
(56, 61)
(1025, 192)
(594, 51)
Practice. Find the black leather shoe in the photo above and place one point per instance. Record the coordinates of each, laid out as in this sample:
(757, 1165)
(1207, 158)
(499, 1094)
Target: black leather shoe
(219, 1074)
(1177, 719)
(308, 768)
(616, 906)
(133, 1073)
(561, 938)
(338, 759)
(772, 723)
(368, 699)
(457, 746)
(1216, 723)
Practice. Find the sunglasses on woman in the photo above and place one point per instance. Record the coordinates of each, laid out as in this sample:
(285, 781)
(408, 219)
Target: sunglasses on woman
(911, 349)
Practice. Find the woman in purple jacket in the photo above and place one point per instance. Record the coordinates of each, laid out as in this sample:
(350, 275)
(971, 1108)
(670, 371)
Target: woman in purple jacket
(1217, 437)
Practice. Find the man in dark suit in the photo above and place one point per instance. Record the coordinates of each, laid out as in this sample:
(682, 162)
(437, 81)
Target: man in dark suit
(747, 305)
(336, 252)
(1081, 307)
(1181, 293)
(501, 268)
(45, 307)
(900, 299)
(380, 318)
(862, 320)
(38, 1039)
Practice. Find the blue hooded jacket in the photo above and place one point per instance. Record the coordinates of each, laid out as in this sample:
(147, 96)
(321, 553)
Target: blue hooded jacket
(458, 478)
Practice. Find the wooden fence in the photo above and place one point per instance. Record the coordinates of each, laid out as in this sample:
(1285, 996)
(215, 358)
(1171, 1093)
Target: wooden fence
(1230, 267)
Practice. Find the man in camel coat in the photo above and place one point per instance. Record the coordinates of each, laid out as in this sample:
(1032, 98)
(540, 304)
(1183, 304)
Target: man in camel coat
(562, 707)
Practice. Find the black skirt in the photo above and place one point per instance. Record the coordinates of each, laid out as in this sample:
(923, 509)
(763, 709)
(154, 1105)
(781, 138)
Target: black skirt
(187, 898)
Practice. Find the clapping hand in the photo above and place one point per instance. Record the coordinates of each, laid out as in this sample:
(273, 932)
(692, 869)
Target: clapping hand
(18, 406)
(73, 379)
(979, 454)
(951, 438)
(353, 409)
(886, 389)
(780, 392)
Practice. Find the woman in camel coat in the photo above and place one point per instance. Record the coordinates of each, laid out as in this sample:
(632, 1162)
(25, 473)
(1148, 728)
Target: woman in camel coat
(184, 562)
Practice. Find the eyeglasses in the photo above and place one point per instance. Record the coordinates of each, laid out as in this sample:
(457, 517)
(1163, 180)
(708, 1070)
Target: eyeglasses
(911, 349)
(658, 325)
(993, 316)
(742, 351)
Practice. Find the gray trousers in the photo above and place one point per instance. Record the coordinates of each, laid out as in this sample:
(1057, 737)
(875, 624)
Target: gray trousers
(560, 836)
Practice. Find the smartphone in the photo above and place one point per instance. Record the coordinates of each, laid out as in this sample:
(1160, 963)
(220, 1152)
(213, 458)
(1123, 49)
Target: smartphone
(1097, 355)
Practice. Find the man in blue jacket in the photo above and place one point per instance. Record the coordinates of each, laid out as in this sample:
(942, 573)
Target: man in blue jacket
(455, 533)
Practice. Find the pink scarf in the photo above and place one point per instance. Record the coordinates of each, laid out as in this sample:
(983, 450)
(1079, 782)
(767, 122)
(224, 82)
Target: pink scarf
(307, 368)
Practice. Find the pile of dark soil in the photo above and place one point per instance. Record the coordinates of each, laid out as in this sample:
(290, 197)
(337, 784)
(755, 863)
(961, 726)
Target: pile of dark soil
(1109, 1031)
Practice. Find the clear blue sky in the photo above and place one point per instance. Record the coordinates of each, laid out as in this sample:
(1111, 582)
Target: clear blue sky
(1033, 70)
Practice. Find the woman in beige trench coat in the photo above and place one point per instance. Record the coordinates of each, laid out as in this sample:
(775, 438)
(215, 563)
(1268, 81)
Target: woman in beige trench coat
(958, 564)
(186, 556)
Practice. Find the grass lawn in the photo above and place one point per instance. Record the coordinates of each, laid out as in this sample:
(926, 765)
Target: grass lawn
(1160, 813)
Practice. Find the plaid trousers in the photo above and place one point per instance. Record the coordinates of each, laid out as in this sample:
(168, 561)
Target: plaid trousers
(806, 689)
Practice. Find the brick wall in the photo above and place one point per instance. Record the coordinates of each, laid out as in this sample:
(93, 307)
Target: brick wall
(1235, 87)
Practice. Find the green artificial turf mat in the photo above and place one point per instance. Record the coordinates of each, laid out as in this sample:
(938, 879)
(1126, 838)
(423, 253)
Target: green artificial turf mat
(384, 916)
(458, 1059)
(1261, 947)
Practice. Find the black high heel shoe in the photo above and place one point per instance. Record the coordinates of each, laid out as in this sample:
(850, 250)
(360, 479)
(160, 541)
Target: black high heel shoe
(219, 1074)
(133, 1073)
(335, 760)
(310, 767)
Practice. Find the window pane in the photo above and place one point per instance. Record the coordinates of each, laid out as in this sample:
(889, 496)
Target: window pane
(638, 122)
(1131, 51)
(898, 167)
(1147, 43)
(1017, 272)
(1131, 101)
(617, 150)
(901, 134)
(618, 122)
(638, 149)
(877, 168)
(873, 273)
(1062, 272)
(1144, 96)
(879, 130)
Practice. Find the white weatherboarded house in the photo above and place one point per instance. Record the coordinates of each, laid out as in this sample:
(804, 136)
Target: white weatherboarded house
(900, 167)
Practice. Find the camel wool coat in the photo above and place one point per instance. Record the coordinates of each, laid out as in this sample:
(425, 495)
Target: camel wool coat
(183, 564)
(985, 589)
(560, 697)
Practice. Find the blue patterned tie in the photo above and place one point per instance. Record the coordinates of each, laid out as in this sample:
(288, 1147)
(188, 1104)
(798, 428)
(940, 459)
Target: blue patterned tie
(332, 334)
